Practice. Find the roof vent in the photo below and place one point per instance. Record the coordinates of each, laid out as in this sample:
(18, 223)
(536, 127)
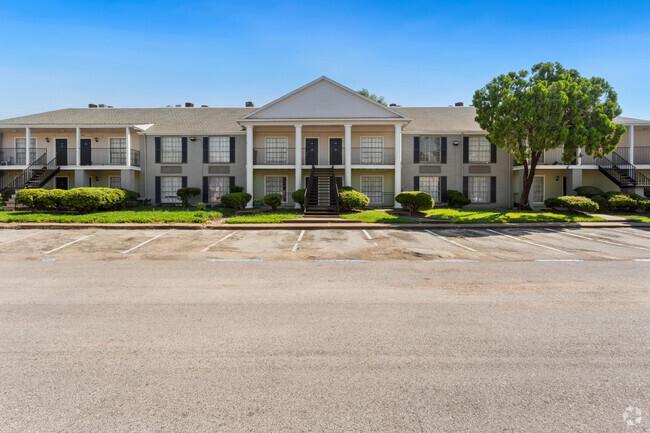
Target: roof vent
(109, 106)
(178, 105)
(92, 105)
(204, 106)
(393, 105)
(249, 104)
(458, 104)
(189, 105)
(102, 105)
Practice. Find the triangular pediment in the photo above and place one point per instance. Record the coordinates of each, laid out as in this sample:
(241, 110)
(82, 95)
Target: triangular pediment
(323, 99)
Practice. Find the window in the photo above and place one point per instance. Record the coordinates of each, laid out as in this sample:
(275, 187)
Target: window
(478, 190)
(479, 149)
(431, 185)
(217, 186)
(430, 148)
(538, 189)
(171, 150)
(21, 152)
(277, 150)
(117, 151)
(372, 186)
(114, 182)
(276, 185)
(372, 150)
(168, 187)
(219, 149)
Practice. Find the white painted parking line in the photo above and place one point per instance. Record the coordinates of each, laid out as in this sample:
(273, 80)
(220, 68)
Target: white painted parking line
(47, 260)
(598, 240)
(344, 261)
(235, 260)
(641, 260)
(143, 243)
(450, 261)
(527, 241)
(627, 231)
(558, 260)
(295, 246)
(220, 240)
(450, 241)
(69, 243)
(367, 235)
(19, 239)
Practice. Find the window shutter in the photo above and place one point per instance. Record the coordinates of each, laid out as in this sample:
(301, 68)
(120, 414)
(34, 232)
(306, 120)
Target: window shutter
(466, 186)
(184, 182)
(443, 189)
(232, 182)
(232, 150)
(205, 189)
(158, 187)
(206, 149)
(416, 150)
(184, 149)
(443, 150)
(465, 150)
(157, 139)
(493, 153)
(284, 189)
(416, 183)
(493, 189)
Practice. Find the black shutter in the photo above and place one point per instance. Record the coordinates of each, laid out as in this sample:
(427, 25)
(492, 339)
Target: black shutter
(184, 182)
(158, 187)
(416, 183)
(493, 189)
(443, 189)
(205, 188)
(443, 150)
(466, 186)
(157, 139)
(206, 150)
(184, 149)
(465, 150)
(416, 150)
(493, 153)
(232, 182)
(232, 150)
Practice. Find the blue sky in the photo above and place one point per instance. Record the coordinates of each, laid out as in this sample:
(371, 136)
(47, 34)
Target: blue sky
(59, 54)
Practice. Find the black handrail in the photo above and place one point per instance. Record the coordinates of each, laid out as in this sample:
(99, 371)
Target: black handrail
(308, 186)
(334, 190)
(20, 181)
(617, 162)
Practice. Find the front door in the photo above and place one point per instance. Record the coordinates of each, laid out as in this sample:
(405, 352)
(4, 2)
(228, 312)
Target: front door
(61, 151)
(84, 149)
(336, 151)
(61, 182)
(311, 151)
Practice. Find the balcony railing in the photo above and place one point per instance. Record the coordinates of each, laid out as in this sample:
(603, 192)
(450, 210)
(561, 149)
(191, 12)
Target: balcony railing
(274, 156)
(373, 156)
(642, 155)
(18, 156)
(108, 156)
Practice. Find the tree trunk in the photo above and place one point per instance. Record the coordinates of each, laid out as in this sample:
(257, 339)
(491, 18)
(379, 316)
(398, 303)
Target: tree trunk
(529, 176)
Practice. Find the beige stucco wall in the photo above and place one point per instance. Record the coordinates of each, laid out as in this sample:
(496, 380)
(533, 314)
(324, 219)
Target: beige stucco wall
(596, 178)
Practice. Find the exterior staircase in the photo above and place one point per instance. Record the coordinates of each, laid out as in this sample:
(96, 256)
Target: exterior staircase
(623, 173)
(35, 175)
(321, 193)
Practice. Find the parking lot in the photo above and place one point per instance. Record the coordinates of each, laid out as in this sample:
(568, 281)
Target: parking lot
(503, 244)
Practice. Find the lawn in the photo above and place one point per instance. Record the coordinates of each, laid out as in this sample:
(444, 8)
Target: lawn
(474, 216)
(640, 218)
(377, 216)
(265, 217)
(144, 214)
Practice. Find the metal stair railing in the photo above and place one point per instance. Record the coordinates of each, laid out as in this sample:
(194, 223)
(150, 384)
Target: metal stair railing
(617, 162)
(308, 187)
(23, 178)
(334, 190)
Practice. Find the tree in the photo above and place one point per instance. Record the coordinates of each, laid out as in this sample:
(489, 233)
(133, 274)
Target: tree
(550, 107)
(372, 96)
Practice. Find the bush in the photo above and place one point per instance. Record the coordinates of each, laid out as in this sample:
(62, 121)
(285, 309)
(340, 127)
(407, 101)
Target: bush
(201, 206)
(577, 203)
(350, 199)
(609, 194)
(273, 200)
(552, 203)
(413, 201)
(298, 196)
(346, 188)
(187, 193)
(600, 201)
(236, 200)
(589, 191)
(456, 199)
(130, 195)
(236, 188)
(26, 197)
(85, 200)
(621, 202)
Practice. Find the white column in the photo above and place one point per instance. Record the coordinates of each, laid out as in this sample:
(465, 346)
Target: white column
(631, 156)
(28, 145)
(579, 156)
(347, 159)
(249, 163)
(398, 162)
(128, 147)
(78, 148)
(298, 160)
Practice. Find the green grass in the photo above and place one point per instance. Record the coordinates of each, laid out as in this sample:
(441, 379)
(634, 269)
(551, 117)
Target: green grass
(641, 218)
(377, 216)
(144, 214)
(477, 216)
(265, 217)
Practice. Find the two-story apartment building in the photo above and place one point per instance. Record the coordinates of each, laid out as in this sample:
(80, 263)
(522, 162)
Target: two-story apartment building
(378, 150)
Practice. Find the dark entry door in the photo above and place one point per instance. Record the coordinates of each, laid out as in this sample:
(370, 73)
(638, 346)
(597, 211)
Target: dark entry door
(61, 151)
(336, 151)
(85, 158)
(61, 182)
(311, 151)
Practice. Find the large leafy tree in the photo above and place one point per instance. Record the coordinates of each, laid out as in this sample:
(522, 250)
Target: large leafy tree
(372, 96)
(526, 113)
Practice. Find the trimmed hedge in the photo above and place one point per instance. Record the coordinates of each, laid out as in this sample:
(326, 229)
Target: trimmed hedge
(413, 201)
(601, 202)
(236, 188)
(456, 199)
(351, 199)
(552, 203)
(298, 196)
(576, 203)
(85, 200)
(621, 202)
(588, 191)
(236, 200)
(130, 195)
(186, 193)
(273, 200)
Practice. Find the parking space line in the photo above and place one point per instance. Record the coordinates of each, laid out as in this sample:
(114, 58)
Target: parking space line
(558, 260)
(69, 243)
(343, 261)
(598, 240)
(450, 261)
(143, 243)
(450, 241)
(20, 239)
(636, 233)
(527, 241)
(367, 234)
(220, 240)
(641, 260)
(235, 260)
(295, 246)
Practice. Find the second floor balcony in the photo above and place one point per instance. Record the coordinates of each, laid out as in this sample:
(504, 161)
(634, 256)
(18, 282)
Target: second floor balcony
(323, 156)
(68, 157)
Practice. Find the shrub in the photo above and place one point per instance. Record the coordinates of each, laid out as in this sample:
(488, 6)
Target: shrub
(236, 188)
(609, 194)
(131, 195)
(589, 191)
(236, 200)
(273, 200)
(621, 202)
(187, 193)
(456, 199)
(346, 188)
(552, 203)
(26, 197)
(577, 203)
(298, 196)
(350, 199)
(413, 201)
(201, 206)
(600, 201)
(85, 200)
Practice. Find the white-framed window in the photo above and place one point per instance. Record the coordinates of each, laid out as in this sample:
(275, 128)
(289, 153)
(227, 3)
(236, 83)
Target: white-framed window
(276, 185)
(538, 189)
(372, 150)
(219, 149)
(479, 150)
(373, 187)
(171, 150)
(114, 182)
(431, 185)
(117, 151)
(169, 185)
(277, 150)
(478, 189)
(21, 151)
(430, 149)
(217, 186)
